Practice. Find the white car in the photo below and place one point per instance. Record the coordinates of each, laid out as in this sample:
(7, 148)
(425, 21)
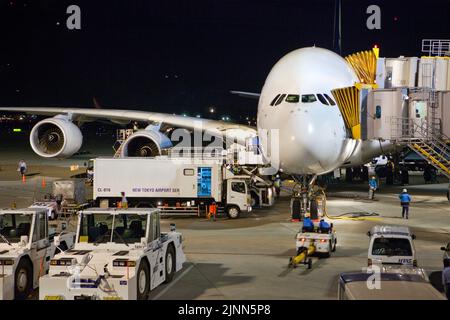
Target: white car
(118, 255)
(391, 245)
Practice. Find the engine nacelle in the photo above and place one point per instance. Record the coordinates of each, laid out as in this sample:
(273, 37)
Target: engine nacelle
(145, 143)
(55, 138)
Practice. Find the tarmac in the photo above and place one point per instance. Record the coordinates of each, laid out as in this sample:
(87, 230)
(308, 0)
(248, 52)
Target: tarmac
(247, 258)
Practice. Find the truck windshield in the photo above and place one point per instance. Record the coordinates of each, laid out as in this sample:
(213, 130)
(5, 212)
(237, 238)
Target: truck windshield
(391, 247)
(102, 228)
(13, 226)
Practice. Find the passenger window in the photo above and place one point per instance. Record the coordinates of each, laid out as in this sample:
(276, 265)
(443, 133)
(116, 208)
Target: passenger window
(293, 98)
(322, 99)
(331, 101)
(308, 98)
(274, 99)
(280, 99)
(238, 187)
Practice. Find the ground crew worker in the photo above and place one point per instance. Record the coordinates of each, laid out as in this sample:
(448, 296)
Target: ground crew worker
(277, 185)
(446, 278)
(212, 211)
(124, 201)
(324, 226)
(22, 167)
(405, 199)
(373, 185)
(308, 225)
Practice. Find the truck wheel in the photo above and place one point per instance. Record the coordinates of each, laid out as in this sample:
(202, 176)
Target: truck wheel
(170, 263)
(233, 212)
(23, 279)
(143, 280)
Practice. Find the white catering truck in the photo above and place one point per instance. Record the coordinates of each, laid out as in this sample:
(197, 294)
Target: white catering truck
(119, 254)
(171, 182)
(27, 244)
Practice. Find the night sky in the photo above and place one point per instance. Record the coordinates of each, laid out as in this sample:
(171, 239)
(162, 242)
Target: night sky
(184, 56)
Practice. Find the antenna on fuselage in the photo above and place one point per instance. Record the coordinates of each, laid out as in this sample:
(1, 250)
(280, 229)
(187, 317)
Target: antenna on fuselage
(337, 28)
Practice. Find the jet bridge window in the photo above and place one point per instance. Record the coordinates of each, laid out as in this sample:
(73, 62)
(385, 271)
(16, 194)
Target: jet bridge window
(308, 98)
(293, 98)
(322, 99)
(331, 101)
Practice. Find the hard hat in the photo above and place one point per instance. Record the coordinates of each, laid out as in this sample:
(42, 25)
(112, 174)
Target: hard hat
(404, 190)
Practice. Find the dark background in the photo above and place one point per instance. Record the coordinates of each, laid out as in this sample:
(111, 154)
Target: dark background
(184, 56)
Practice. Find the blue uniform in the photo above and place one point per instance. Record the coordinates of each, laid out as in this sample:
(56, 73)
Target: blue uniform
(405, 199)
(324, 224)
(307, 223)
(373, 183)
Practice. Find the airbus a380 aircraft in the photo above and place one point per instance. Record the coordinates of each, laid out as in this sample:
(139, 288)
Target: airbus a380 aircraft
(296, 100)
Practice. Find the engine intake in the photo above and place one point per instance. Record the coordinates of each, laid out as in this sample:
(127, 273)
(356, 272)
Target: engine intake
(145, 143)
(55, 138)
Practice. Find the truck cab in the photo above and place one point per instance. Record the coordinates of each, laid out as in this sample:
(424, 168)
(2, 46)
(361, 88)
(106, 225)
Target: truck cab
(27, 244)
(238, 197)
(391, 245)
(119, 254)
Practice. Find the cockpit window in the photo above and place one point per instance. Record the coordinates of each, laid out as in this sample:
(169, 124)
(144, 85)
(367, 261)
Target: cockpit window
(307, 98)
(331, 101)
(293, 98)
(274, 99)
(322, 99)
(280, 99)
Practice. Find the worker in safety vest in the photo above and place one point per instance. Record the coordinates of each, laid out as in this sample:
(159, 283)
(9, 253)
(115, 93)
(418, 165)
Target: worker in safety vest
(124, 201)
(212, 211)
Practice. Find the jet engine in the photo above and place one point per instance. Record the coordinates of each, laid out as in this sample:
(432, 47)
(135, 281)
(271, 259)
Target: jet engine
(55, 137)
(145, 143)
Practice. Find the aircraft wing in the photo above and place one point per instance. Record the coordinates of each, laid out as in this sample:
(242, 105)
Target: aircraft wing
(235, 131)
(246, 94)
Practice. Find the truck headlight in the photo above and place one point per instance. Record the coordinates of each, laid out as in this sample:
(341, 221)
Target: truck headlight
(6, 262)
(124, 263)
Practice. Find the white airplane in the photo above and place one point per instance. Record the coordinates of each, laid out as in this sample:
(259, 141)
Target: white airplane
(296, 100)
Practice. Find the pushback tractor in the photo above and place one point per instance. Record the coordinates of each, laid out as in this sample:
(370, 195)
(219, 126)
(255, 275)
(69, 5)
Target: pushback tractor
(27, 245)
(314, 241)
(118, 255)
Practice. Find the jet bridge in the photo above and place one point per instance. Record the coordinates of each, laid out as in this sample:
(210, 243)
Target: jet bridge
(410, 107)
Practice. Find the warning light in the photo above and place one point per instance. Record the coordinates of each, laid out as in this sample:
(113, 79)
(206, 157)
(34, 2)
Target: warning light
(17, 130)
(376, 50)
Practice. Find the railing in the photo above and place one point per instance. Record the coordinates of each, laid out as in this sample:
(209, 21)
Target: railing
(406, 129)
(436, 47)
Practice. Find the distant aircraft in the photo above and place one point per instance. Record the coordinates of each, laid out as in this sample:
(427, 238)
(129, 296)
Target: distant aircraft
(296, 100)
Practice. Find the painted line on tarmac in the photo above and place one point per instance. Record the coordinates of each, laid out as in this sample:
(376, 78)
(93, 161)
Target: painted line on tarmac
(173, 283)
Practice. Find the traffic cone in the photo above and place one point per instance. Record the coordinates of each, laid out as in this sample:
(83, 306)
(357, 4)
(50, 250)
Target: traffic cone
(24, 179)
(43, 183)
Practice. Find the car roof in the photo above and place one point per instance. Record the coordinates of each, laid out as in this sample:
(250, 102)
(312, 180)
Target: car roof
(390, 230)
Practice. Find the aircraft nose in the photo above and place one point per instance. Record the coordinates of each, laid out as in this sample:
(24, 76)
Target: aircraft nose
(315, 142)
